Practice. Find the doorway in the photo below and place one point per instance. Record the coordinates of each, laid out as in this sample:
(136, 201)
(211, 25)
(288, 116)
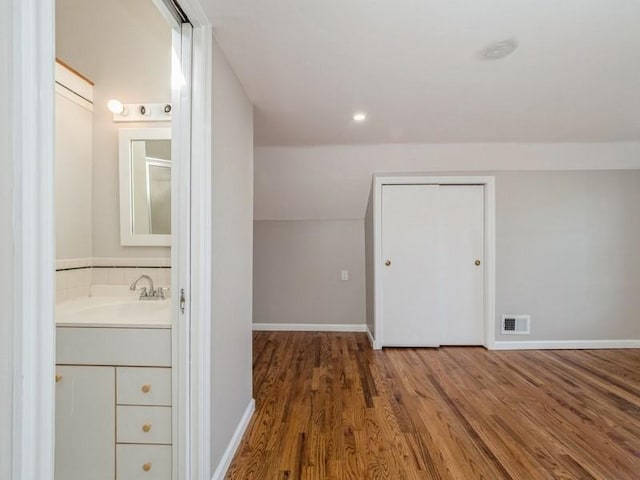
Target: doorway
(122, 254)
(33, 355)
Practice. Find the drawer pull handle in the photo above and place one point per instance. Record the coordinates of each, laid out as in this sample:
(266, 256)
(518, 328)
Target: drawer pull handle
(146, 388)
(146, 466)
(146, 428)
(58, 378)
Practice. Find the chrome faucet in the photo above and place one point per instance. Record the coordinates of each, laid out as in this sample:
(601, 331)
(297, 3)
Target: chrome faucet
(152, 293)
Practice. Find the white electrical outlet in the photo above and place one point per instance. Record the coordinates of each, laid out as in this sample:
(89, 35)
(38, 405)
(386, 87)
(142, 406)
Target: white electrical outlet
(344, 275)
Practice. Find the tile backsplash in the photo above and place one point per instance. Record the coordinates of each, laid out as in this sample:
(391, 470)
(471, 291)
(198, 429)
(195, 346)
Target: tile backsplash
(161, 276)
(71, 284)
(74, 277)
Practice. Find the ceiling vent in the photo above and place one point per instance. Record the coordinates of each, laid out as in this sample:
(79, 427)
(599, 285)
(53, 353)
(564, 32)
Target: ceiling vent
(516, 324)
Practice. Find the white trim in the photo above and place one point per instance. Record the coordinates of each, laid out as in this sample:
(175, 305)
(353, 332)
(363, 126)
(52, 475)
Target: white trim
(125, 136)
(32, 115)
(309, 327)
(233, 445)
(372, 341)
(564, 344)
(489, 241)
(490, 261)
(180, 253)
(201, 244)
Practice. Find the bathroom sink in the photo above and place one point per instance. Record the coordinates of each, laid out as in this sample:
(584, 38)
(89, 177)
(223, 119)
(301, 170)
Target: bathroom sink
(114, 312)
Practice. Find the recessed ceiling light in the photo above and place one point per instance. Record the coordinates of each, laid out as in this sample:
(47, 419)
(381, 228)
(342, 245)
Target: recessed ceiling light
(359, 117)
(499, 50)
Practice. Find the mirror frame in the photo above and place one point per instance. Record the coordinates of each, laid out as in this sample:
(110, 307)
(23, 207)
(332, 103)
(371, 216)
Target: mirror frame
(127, 236)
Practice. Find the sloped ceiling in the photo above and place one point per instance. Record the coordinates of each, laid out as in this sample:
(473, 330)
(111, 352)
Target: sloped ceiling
(414, 67)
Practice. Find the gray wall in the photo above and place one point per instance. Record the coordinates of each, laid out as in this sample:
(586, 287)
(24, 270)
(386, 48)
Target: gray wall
(232, 148)
(297, 267)
(567, 253)
(131, 63)
(566, 225)
(6, 244)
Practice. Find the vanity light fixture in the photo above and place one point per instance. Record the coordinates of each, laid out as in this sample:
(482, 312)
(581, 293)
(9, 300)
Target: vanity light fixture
(116, 107)
(140, 112)
(359, 117)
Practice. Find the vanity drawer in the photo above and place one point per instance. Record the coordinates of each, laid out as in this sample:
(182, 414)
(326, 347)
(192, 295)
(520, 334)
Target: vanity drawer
(143, 462)
(143, 386)
(143, 424)
(113, 346)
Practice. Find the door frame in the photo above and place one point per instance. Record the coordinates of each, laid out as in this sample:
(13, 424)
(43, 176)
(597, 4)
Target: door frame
(488, 182)
(194, 388)
(32, 161)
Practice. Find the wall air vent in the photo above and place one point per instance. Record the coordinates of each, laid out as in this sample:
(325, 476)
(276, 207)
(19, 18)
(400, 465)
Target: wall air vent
(516, 324)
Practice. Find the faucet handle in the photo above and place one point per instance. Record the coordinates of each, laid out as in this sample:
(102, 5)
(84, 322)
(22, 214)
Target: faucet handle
(143, 292)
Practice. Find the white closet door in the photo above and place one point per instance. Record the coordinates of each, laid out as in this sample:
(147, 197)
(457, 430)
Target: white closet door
(410, 249)
(462, 281)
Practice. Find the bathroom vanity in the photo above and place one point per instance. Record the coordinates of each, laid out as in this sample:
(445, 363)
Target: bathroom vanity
(113, 390)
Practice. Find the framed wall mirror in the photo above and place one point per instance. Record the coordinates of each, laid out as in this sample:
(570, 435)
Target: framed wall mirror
(145, 186)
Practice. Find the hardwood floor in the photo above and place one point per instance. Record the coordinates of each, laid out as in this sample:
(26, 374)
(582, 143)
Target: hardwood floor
(328, 407)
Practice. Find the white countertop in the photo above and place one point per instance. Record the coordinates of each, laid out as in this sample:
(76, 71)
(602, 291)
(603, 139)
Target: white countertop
(124, 311)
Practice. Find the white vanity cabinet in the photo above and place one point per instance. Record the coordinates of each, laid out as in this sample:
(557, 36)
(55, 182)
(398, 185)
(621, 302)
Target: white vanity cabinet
(113, 403)
(85, 423)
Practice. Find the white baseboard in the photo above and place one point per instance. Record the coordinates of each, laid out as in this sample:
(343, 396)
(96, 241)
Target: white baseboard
(226, 459)
(372, 342)
(309, 327)
(565, 344)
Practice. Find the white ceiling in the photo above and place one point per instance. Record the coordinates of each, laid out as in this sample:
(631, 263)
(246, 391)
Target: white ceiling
(413, 66)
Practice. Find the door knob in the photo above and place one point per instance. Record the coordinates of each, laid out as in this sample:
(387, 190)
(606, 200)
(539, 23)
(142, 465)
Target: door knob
(477, 262)
(387, 263)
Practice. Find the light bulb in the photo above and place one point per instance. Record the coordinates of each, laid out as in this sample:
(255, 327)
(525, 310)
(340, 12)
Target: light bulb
(116, 107)
(359, 117)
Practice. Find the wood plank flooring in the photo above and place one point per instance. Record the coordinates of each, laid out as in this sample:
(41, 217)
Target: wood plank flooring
(329, 407)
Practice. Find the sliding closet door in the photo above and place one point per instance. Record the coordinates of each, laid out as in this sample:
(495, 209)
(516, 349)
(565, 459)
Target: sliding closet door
(462, 278)
(433, 265)
(410, 249)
